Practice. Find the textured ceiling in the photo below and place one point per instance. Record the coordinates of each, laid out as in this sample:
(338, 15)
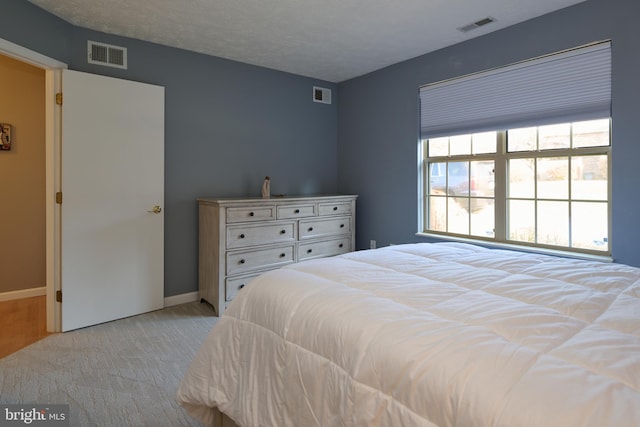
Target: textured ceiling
(332, 40)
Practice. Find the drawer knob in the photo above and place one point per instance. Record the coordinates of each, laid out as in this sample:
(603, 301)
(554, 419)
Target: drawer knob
(341, 225)
(283, 231)
(283, 255)
(297, 211)
(242, 261)
(242, 236)
(251, 214)
(241, 286)
(310, 229)
(335, 208)
(340, 245)
(309, 251)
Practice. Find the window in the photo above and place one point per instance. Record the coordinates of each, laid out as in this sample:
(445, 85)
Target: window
(555, 193)
(521, 154)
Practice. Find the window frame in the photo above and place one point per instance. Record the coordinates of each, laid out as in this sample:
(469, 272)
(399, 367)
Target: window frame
(501, 198)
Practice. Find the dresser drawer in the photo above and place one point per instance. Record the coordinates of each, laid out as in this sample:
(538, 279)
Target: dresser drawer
(239, 236)
(324, 227)
(296, 211)
(246, 261)
(334, 209)
(251, 213)
(324, 248)
(233, 286)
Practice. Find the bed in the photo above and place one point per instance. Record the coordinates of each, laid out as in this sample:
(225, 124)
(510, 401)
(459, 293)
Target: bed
(430, 334)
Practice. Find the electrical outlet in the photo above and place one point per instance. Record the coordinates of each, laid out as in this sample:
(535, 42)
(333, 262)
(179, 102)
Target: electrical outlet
(372, 244)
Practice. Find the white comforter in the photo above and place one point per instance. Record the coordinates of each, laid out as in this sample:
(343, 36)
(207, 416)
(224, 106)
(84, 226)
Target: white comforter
(442, 334)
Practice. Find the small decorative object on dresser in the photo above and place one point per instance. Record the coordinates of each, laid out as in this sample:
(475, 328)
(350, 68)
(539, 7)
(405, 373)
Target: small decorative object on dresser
(241, 238)
(266, 188)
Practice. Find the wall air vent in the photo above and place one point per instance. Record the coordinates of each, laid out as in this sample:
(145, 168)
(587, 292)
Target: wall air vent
(322, 95)
(477, 24)
(106, 54)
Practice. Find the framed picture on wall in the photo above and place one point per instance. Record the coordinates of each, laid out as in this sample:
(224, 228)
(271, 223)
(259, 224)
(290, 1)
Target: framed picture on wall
(5, 136)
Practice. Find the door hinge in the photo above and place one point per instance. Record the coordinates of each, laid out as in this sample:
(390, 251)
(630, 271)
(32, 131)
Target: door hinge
(59, 197)
(58, 296)
(59, 98)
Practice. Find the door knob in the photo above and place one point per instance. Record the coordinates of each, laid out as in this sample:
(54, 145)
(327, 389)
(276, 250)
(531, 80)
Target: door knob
(156, 209)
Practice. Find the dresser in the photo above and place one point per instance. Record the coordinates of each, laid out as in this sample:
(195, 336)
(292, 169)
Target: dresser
(241, 238)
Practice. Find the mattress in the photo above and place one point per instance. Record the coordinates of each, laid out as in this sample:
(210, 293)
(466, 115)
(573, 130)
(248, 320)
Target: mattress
(431, 334)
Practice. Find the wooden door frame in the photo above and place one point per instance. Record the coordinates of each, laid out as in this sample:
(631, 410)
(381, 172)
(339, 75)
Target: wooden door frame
(53, 126)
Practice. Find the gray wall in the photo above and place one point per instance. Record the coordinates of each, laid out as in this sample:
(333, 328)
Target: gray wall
(31, 27)
(228, 125)
(378, 118)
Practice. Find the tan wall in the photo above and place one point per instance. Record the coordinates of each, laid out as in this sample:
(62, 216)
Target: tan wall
(22, 177)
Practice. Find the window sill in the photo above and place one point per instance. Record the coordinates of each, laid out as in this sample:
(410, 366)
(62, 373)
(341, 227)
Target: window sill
(520, 248)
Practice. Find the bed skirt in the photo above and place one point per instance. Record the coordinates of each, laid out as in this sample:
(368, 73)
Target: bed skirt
(221, 420)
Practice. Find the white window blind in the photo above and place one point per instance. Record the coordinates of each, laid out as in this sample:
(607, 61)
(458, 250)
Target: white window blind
(569, 86)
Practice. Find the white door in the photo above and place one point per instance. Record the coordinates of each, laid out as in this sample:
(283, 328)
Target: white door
(112, 241)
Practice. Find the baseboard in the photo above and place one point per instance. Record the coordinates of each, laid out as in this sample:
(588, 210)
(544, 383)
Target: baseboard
(36, 292)
(181, 299)
(25, 293)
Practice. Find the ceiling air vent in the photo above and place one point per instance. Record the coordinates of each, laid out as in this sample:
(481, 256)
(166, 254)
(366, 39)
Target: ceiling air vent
(106, 54)
(322, 95)
(477, 24)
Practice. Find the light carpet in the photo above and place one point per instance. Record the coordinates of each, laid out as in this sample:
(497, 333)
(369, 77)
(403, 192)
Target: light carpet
(121, 373)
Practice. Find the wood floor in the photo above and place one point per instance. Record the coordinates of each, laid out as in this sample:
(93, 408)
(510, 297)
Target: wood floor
(22, 322)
